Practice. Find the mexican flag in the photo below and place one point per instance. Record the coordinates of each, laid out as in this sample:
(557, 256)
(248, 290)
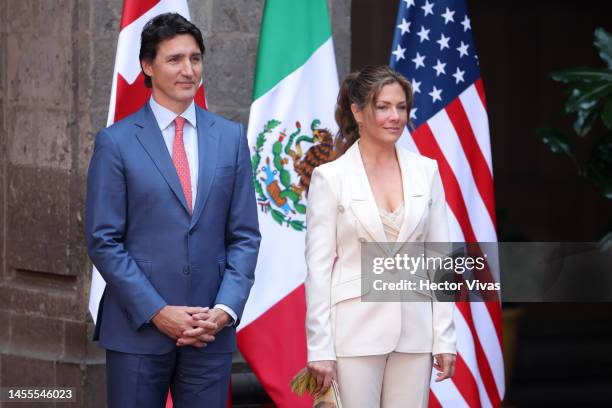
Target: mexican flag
(291, 130)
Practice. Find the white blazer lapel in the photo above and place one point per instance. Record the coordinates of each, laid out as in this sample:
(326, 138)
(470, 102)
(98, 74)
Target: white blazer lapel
(414, 197)
(363, 203)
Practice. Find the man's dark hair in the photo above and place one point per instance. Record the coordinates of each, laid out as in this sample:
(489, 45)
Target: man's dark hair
(164, 27)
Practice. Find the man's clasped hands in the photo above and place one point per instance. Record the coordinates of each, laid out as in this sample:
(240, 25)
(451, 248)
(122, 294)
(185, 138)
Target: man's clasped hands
(191, 326)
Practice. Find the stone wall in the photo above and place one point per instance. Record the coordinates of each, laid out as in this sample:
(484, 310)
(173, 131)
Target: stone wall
(56, 64)
(45, 117)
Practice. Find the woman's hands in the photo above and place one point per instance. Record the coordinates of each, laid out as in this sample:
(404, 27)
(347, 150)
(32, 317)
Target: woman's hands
(445, 363)
(323, 371)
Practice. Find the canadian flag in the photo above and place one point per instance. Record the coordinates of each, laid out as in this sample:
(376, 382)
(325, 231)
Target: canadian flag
(129, 92)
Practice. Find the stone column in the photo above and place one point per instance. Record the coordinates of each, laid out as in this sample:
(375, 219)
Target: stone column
(45, 121)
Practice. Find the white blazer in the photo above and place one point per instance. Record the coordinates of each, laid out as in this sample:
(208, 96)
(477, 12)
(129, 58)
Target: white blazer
(342, 213)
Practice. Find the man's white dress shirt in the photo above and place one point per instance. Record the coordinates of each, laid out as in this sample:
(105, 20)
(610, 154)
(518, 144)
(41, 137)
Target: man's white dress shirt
(165, 121)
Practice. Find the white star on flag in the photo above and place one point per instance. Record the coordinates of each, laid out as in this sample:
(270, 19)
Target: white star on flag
(427, 8)
(459, 76)
(435, 94)
(416, 86)
(448, 16)
(466, 24)
(439, 68)
(399, 53)
(443, 41)
(418, 61)
(463, 49)
(413, 113)
(409, 3)
(405, 26)
(423, 34)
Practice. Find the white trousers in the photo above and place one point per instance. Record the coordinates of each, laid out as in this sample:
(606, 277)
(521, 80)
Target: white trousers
(395, 380)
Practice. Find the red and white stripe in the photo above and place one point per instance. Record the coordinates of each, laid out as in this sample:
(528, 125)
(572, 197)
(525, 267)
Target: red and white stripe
(457, 137)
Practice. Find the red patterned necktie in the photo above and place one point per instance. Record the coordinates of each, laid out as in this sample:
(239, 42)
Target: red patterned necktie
(179, 158)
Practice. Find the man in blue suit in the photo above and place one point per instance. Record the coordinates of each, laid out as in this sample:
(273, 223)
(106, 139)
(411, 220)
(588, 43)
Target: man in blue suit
(171, 224)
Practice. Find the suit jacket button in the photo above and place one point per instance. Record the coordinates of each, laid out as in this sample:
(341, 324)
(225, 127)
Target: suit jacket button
(362, 240)
(341, 208)
(186, 270)
(429, 203)
(419, 237)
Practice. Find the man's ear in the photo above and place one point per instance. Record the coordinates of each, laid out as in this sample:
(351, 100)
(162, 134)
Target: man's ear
(146, 67)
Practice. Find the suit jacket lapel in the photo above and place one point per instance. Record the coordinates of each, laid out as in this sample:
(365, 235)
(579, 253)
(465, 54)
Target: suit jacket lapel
(363, 203)
(414, 198)
(208, 146)
(150, 137)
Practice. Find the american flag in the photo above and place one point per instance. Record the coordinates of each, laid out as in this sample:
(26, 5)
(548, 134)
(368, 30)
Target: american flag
(434, 49)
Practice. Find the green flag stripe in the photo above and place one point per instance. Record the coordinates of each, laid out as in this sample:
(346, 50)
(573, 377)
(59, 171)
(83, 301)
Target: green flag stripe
(290, 32)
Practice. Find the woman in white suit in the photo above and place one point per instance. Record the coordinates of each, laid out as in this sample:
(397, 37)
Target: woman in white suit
(380, 352)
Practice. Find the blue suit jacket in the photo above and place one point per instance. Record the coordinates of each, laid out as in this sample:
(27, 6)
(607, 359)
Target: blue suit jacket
(149, 249)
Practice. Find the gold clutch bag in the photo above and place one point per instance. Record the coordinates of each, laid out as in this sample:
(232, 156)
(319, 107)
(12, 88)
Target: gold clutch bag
(303, 381)
(331, 399)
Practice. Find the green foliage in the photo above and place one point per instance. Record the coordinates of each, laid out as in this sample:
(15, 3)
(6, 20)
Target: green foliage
(582, 74)
(603, 42)
(557, 141)
(589, 101)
